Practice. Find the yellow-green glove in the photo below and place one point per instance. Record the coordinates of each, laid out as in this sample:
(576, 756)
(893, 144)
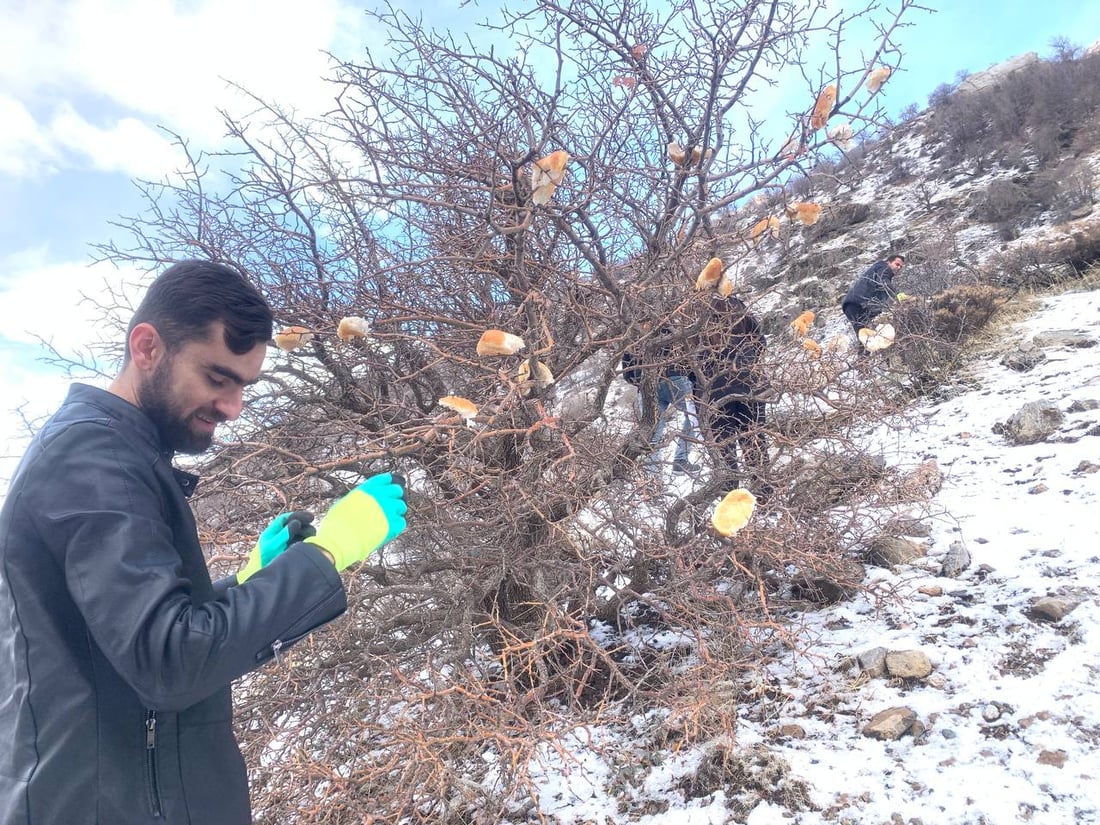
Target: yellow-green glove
(362, 521)
(283, 531)
(902, 296)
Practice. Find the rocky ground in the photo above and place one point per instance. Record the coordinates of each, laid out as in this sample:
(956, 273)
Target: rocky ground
(962, 687)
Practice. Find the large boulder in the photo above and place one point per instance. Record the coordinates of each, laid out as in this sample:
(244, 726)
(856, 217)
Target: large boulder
(1032, 423)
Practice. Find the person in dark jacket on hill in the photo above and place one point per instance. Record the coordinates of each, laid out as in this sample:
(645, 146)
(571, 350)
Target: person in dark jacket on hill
(872, 293)
(116, 648)
(731, 384)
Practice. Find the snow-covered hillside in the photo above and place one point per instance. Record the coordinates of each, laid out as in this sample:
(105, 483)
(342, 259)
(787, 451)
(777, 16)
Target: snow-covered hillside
(997, 621)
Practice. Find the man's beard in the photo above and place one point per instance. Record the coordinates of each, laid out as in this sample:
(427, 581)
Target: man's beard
(176, 434)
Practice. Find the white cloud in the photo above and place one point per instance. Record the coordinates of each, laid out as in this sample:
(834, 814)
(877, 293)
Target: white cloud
(30, 147)
(128, 145)
(56, 302)
(49, 301)
(24, 145)
(100, 75)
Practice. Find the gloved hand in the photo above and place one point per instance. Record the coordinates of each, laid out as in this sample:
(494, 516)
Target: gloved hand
(283, 531)
(362, 521)
(903, 296)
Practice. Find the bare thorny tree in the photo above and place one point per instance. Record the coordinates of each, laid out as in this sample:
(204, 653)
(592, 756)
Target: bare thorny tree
(471, 643)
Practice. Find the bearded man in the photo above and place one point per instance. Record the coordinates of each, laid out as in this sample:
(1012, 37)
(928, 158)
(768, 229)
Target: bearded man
(116, 649)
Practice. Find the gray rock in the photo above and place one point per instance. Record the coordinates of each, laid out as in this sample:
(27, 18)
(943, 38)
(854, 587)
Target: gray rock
(1022, 360)
(1056, 758)
(1032, 423)
(890, 724)
(889, 551)
(792, 731)
(834, 582)
(872, 662)
(1083, 405)
(908, 664)
(1050, 609)
(956, 560)
(822, 590)
(1063, 338)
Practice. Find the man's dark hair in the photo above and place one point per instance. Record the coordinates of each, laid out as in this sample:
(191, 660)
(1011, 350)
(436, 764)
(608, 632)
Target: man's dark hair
(190, 295)
(894, 258)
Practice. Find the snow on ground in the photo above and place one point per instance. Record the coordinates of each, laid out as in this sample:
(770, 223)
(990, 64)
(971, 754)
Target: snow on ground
(1011, 711)
(1009, 689)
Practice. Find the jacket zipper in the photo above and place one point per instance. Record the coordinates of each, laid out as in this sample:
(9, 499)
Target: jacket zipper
(276, 647)
(151, 763)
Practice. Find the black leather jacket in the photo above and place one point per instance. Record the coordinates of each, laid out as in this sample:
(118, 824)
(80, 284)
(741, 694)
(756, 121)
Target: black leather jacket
(731, 346)
(874, 289)
(116, 649)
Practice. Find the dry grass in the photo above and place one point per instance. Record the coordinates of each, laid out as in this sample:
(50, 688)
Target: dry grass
(1087, 281)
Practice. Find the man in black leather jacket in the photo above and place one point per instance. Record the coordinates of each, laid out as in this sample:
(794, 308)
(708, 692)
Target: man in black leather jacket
(872, 293)
(116, 648)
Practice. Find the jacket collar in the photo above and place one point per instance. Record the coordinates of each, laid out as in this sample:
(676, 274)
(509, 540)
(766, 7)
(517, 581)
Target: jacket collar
(135, 422)
(187, 481)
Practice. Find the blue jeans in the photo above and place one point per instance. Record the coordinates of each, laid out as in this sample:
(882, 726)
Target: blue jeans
(674, 395)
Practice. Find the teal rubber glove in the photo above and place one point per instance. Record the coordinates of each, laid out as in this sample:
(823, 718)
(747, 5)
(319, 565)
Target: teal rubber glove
(368, 517)
(283, 531)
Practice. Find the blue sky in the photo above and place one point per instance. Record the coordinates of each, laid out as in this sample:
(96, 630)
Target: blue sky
(86, 85)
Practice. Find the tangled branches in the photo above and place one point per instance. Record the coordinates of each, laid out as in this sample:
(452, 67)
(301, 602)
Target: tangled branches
(544, 579)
